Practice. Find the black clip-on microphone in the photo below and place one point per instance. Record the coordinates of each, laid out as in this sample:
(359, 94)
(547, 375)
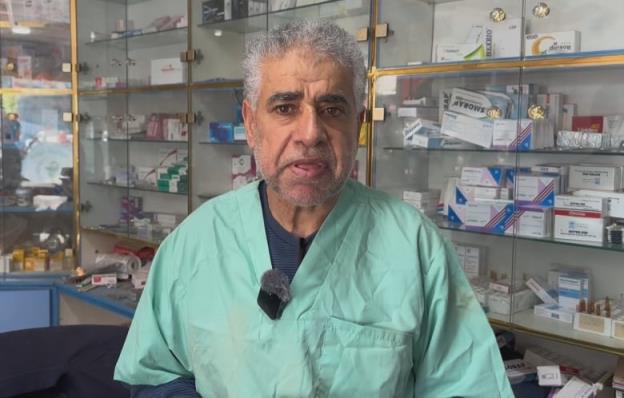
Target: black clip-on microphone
(274, 293)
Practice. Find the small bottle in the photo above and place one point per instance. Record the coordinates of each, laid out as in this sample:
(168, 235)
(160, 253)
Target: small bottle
(68, 261)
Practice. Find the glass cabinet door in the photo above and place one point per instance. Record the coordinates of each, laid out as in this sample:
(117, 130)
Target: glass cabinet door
(220, 37)
(102, 47)
(37, 189)
(449, 31)
(573, 237)
(35, 45)
(158, 155)
(156, 35)
(106, 203)
(222, 161)
(438, 154)
(564, 28)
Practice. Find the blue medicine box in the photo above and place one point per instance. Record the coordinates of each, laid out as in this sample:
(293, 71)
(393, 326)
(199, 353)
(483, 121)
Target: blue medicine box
(221, 133)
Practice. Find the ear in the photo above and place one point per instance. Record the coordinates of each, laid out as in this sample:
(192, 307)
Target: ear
(249, 121)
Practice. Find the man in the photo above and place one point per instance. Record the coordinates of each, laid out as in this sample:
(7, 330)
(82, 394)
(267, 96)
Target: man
(380, 307)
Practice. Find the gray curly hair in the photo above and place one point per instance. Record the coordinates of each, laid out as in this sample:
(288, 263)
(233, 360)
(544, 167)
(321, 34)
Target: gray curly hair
(321, 37)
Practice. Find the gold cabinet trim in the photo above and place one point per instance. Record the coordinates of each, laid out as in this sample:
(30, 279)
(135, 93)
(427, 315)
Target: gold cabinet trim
(493, 65)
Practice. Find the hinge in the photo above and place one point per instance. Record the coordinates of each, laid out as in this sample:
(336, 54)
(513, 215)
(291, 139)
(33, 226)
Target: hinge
(379, 114)
(188, 118)
(382, 30)
(362, 34)
(69, 117)
(189, 56)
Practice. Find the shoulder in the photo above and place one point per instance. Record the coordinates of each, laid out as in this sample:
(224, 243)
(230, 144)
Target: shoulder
(391, 211)
(195, 237)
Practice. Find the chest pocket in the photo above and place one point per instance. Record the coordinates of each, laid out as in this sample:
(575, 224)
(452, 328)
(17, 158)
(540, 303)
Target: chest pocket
(364, 361)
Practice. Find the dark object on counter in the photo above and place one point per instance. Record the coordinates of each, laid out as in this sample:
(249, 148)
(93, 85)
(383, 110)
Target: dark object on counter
(77, 361)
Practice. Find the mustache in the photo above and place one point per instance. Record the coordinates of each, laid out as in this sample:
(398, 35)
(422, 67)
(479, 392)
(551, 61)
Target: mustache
(311, 155)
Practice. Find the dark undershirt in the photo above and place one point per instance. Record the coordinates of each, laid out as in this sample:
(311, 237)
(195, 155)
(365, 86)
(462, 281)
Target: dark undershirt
(286, 250)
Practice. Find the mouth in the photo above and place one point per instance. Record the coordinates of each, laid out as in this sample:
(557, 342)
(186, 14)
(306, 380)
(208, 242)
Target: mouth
(308, 168)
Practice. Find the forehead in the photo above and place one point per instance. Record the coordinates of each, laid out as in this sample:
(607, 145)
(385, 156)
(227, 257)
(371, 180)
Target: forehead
(301, 71)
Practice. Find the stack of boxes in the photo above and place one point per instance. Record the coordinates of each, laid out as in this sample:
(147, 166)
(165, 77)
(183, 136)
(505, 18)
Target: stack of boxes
(173, 178)
(481, 200)
(425, 201)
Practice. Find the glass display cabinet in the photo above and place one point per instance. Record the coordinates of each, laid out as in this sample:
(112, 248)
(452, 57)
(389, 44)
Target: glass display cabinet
(134, 132)
(503, 122)
(36, 183)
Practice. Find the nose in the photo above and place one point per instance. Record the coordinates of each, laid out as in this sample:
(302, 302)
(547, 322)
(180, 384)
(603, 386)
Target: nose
(310, 129)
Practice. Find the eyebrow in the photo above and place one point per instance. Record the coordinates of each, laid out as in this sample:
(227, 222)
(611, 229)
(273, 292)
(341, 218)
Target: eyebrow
(287, 96)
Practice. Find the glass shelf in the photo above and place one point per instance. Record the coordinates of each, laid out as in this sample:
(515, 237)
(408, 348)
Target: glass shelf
(133, 188)
(258, 23)
(528, 322)
(142, 140)
(255, 23)
(130, 90)
(121, 231)
(145, 40)
(66, 208)
(554, 151)
(443, 223)
(224, 143)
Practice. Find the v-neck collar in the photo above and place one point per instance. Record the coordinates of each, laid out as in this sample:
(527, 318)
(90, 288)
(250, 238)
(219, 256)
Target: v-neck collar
(319, 258)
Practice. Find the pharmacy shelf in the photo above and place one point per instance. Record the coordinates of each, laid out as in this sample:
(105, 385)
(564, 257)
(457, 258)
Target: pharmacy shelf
(131, 90)
(145, 40)
(122, 232)
(549, 151)
(126, 187)
(526, 322)
(65, 208)
(443, 223)
(238, 143)
(136, 139)
(257, 23)
(121, 299)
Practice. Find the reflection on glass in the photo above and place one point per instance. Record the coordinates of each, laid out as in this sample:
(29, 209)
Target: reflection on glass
(35, 44)
(36, 192)
(132, 44)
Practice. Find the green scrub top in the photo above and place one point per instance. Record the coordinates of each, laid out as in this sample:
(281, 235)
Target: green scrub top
(380, 308)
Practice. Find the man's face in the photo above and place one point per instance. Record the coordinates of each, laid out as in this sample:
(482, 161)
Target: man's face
(305, 127)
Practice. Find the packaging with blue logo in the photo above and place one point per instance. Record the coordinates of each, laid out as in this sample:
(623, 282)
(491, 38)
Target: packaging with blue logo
(537, 190)
(485, 176)
(221, 133)
(485, 215)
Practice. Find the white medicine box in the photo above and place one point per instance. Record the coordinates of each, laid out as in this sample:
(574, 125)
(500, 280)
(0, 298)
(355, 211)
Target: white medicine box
(167, 71)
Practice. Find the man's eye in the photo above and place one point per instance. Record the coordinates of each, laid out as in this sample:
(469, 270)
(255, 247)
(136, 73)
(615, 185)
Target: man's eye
(284, 109)
(334, 111)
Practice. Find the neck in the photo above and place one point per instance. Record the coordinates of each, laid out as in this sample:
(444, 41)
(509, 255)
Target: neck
(299, 221)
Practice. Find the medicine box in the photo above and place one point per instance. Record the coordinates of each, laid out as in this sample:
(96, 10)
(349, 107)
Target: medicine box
(599, 177)
(167, 71)
(531, 222)
(540, 288)
(554, 311)
(537, 190)
(573, 287)
(472, 260)
(591, 323)
(552, 43)
(470, 193)
(468, 129)
(484, 176)
(487, 215)
(514, 135)
(615, 200)
(221, 133)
